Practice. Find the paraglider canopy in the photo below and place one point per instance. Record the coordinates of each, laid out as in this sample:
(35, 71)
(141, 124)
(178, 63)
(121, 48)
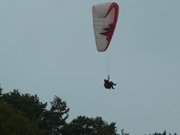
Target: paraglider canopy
(105, 17)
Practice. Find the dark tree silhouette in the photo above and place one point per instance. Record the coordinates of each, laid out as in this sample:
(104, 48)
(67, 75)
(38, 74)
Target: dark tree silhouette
(56, 117)
(83, 125)
(13, 122)
(53, 121)
(26, 103)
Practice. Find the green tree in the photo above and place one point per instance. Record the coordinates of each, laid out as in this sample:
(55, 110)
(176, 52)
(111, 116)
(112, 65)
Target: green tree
(13, 122)
(50, 121)
(83, 125)
(56, 117)
(53, 121)
(26, 103)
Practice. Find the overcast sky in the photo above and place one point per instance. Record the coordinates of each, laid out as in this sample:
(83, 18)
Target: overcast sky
(47, 47)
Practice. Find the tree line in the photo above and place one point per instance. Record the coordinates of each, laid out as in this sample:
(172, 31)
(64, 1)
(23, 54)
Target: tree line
(25, 114)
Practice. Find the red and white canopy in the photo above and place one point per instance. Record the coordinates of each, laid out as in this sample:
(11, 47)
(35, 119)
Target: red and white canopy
(105, 17)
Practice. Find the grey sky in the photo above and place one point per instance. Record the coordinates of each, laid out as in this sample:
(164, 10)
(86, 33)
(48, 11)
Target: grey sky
(47, 47)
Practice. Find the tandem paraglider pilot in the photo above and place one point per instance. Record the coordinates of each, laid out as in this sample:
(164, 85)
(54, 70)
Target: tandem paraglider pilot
(109, 84)
(105, 17)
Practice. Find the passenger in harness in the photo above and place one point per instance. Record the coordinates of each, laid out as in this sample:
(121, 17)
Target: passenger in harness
(109, 84)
